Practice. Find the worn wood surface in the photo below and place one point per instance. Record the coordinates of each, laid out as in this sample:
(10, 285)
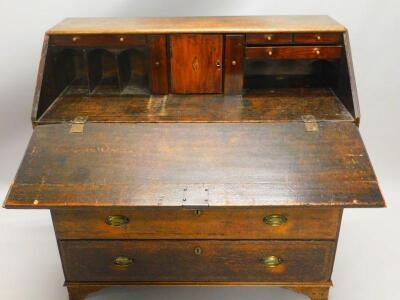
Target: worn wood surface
(294, 52)
(218, 260)
(228, 24)
(269, 105)
(200, 223)
(158, 64)
(194, 60)
(226, 164)
(233, 70)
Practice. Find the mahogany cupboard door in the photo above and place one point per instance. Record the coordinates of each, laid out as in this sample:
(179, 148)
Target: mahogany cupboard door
(196, 63)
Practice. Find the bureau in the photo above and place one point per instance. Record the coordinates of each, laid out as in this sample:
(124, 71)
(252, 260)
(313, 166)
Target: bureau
(196, 151)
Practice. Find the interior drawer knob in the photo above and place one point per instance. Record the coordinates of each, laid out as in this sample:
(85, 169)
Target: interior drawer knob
(275, 220)
(317, 51)
(122, 261)
(117, 221)
(272, 261)
(268, 37)
(318, 37)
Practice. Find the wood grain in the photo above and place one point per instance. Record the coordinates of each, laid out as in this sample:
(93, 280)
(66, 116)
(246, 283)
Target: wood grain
(269, 38)
(194, 59)
(269, 105)
(218, 260)
(200, 223)
(317, 38)
(233, 71)
(158, 64)
(294, 52)
(278, 164)
(115, 41)
(228, 24)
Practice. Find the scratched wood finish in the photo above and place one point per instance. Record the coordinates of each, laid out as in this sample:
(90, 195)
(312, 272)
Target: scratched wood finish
(227, 24)
(194, 63)
(294, 52)
(269, 105)
(158, 64)
(234, 54)
(120, 40)
(227, 164)
(200, 223)
(218, 260)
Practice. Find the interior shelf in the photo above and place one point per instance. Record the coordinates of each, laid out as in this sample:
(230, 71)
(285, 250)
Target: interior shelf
(268, 105)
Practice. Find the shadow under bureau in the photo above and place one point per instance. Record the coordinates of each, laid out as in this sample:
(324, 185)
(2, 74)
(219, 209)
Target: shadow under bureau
(196, 151)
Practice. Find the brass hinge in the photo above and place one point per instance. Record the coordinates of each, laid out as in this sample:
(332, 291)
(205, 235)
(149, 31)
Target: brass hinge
(195, 195)
(77, 125)
(310, 123)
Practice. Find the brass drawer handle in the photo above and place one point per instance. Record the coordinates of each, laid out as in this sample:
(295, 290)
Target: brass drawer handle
(122, 261)
(272, 261)
(275, 220)
(117, 221)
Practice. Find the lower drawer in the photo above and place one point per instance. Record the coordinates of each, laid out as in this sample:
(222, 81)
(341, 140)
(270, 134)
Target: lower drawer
(207, 223)
(201, 261)
(294, 52)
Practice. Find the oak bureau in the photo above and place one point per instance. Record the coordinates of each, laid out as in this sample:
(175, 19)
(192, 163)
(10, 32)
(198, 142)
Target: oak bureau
(196, 151)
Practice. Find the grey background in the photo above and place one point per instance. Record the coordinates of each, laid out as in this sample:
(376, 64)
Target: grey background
(367, 262)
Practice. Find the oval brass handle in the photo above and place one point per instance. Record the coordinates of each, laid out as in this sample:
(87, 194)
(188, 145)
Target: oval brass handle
(272, 261)
(122, 261)
(218, 64)
(275, 220)
(117, 221)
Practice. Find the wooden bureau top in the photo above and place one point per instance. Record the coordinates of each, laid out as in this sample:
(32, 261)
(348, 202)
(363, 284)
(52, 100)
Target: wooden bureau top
(231, 24)
(176, 164)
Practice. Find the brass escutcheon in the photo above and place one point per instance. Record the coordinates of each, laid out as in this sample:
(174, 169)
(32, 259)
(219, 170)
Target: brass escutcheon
(197, 212)
(197, 251)
(272, 261)
(117, 221)
(122, 261)
(275, 220)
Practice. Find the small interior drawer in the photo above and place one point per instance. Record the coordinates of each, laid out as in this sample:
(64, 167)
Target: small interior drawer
(202, 223)
(294, 52)
(197, 260)
(98, 40)
(268, 38)
(317, 38)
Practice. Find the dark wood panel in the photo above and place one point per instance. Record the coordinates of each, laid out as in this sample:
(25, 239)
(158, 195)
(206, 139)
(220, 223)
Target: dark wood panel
(278, 164)
(295, 52)
(317, 38)
(269, 38)
(256, 106)
(196, 63)
(200, 223)
(234, 54)
(214, 261)
(158, 64)
(118, 40)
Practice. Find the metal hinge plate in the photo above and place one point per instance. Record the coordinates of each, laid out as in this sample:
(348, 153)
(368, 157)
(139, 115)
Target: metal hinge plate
(310, 123)
(195, 196)
(77, 125)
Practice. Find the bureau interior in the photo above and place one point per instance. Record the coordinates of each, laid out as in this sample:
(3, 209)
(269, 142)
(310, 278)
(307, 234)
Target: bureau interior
(114, 83)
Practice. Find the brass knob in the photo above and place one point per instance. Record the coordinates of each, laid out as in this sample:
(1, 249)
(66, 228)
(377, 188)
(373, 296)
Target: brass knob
(117, 221)
(121, 39)
(269, 52)
(233, 62)
(275, 220)
(272, 261)
(218, 64)
(318, 37)
(198, 251)
(157, 63)
(122, 261)
(75, 39)
(317, 52)
(268, 37)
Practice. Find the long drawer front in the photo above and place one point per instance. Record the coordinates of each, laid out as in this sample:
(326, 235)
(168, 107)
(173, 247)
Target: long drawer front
(197, 260)
(206, 223)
